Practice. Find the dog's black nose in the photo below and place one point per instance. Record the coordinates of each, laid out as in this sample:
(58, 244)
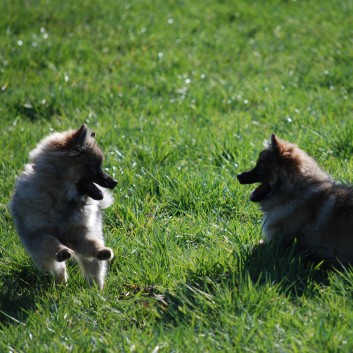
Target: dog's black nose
(110, 183)
(105, 180)
(241, 177)
(113, 183)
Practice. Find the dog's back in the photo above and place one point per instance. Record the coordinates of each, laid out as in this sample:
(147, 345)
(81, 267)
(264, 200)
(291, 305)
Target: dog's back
(331, 237)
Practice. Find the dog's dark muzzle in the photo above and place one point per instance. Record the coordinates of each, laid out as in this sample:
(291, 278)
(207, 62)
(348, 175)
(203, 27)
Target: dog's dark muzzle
(249, 177)
(87, 186)
(105, 180)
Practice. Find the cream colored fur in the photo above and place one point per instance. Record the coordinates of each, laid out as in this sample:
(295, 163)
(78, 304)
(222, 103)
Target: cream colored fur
(54, 221)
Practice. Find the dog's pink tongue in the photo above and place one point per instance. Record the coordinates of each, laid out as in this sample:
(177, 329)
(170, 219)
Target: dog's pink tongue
(260, 192)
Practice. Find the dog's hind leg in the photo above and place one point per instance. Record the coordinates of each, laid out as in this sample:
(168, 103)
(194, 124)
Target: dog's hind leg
(59, 272)
(93, 270)
(50, 255)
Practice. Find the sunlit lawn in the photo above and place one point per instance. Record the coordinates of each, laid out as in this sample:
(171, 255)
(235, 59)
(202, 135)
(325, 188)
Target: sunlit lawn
(181, 95)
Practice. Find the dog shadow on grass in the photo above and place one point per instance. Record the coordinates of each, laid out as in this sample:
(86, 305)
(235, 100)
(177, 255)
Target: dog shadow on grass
(291, 271)
(294, 270)
(21, 286)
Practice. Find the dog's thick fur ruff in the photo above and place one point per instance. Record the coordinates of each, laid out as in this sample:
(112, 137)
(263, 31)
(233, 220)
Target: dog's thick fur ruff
(300, 201)
(57, 205)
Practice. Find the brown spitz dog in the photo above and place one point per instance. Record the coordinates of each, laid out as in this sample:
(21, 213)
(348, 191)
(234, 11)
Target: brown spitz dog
(300, 201)
(57, 205)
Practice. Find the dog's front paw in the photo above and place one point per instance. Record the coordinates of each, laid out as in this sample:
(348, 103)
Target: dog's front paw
(64, 254)
(105, 254)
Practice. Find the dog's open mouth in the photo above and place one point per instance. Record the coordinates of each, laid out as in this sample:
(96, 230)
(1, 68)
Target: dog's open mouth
(90, 189)
(251, 177)
(260, 192)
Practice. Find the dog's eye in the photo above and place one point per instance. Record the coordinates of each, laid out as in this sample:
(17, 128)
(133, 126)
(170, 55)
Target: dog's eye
(95, 166)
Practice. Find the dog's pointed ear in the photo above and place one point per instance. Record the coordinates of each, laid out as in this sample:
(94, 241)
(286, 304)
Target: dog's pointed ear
(275, 144)
(274, 141)
(279, 146)
(80, 135)
(77, 141)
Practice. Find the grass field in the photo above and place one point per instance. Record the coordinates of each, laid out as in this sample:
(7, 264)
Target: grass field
(181, 95)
